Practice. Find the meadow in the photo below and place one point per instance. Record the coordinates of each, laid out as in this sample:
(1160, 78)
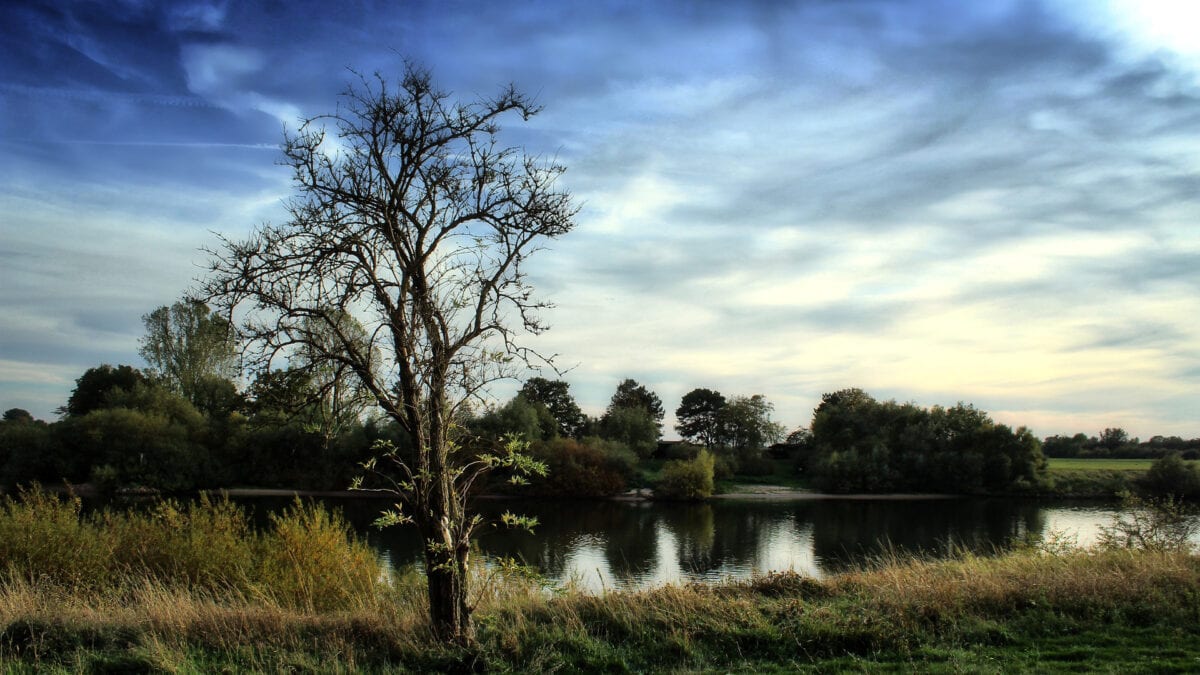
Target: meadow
(1088, 464)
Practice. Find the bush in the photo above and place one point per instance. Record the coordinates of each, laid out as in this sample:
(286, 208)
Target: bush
(690, 479)
(1171, 475)
(1162, 524)
(588, 468)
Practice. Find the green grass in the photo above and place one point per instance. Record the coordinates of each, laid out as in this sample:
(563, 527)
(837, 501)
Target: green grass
(1077, 464)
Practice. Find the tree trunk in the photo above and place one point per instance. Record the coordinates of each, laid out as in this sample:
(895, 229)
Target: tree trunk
(446, 571)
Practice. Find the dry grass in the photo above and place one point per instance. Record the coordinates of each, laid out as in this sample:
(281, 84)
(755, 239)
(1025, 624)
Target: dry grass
(298, 601)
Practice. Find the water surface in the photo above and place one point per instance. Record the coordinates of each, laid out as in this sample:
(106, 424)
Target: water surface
(614, 544)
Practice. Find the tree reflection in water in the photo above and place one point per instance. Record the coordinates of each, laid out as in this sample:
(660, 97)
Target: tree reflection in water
(615, 544)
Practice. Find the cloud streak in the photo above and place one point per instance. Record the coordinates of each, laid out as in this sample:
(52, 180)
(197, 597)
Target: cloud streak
(936, 201)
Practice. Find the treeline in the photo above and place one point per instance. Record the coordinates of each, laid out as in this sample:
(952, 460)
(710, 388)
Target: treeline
(859, 444)
(183, 423)
(1115, 443)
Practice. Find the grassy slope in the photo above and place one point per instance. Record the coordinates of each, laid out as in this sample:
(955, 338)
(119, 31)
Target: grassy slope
(1115, 611)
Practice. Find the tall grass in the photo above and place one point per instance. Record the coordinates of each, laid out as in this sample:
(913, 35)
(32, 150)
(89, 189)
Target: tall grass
(307, 559)
(271, 605)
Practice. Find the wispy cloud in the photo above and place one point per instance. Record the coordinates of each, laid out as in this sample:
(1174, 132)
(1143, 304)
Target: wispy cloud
(937, 201)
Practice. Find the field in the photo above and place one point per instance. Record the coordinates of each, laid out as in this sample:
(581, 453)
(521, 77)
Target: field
(1077, 464)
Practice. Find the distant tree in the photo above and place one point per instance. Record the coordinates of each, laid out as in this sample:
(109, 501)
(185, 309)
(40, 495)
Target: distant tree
(746, 426)
(801, 436)
(630, 394)
(340, 397)
(93, 388)
(632, 426)
(861, 444)
(18, 415)
(186, 345)
(1113, 438)
(699, 416)
(278, 397)
(582, 468)
(1064, 446)
(530, 421)
(555, 395)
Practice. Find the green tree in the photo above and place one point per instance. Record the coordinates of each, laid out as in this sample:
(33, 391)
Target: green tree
(699, 416)
(93, 388)
(186, 346)
(520, 417)
(746, 426)
(633, 427)
(416, 221)
(19, 415)
(555, 395)
(630, 394)
(1113, 438)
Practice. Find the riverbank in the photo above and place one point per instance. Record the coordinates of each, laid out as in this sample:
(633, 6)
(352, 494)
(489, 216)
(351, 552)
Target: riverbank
(1112, 611)
(193, 588)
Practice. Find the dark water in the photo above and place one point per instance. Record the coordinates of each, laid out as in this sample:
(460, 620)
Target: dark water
(610, 544)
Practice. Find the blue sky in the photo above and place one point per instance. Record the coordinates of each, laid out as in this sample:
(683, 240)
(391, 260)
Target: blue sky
(991, 202)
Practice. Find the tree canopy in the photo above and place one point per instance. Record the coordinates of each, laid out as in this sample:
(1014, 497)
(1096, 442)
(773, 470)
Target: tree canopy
(186, 346)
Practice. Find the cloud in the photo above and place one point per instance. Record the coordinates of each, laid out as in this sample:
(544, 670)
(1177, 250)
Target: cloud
(992, 202)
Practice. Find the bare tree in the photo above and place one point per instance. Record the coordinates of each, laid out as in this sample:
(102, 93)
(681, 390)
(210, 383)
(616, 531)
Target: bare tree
(411, 218)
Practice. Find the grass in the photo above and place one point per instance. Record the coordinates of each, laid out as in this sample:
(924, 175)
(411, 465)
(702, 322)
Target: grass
(1036, 609)
(1078, 464)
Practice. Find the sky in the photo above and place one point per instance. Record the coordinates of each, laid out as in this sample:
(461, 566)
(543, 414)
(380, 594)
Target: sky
(989, 202)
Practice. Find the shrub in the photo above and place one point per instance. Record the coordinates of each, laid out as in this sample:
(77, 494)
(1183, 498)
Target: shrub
(588, 468)
(312, 560)
(1161, 524)
(687, 479)
(1171, 475)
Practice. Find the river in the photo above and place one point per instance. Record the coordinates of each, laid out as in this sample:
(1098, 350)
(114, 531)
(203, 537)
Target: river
(601, 545)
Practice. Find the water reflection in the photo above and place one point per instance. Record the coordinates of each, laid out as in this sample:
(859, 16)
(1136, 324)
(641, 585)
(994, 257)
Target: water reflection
(608, 544)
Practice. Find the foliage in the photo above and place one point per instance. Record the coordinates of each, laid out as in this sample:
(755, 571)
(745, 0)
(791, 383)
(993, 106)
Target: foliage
(556, 397)
(1170, 475)
(746, 427)
(630, 394)
(1155, 524)
(591, 467)
(699, 418)
(1114, 442)
(187, 345)
(633, 427)
(93, 388)
(686, 479)
(30, 451)
(863, 445)
(18, 416)
(518, 416)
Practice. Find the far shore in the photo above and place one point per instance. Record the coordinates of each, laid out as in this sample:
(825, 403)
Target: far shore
(741, 492)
